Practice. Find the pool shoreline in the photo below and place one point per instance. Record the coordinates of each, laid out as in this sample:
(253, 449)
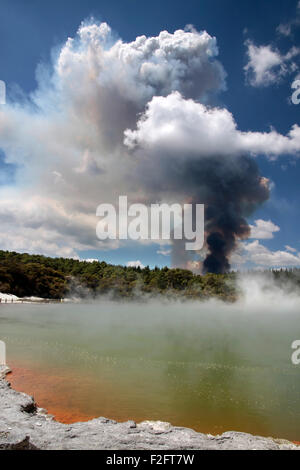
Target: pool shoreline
(25, 426)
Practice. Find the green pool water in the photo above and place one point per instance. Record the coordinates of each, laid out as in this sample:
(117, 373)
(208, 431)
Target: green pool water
(213, 367)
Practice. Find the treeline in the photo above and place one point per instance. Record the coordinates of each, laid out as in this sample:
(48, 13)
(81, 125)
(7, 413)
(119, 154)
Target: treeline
(27, 275)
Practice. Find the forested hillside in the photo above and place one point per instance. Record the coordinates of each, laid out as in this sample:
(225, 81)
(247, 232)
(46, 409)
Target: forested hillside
(27, 275)
(34, 275)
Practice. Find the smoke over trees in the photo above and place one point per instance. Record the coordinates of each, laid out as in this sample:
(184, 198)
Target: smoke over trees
(231, 191)
(111, 117)
(227, 182)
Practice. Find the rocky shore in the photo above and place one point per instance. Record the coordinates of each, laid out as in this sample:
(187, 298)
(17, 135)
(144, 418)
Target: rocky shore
(24, 426)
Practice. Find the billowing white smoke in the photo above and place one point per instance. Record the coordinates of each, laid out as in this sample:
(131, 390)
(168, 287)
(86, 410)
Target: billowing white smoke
(147, 67)
(67, 140)
(68, 143)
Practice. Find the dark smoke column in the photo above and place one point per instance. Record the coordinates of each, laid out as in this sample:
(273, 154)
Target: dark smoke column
(232, 191)
(217, 262)
(187, 152)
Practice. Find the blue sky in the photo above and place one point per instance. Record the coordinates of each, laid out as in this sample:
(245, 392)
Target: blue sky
(33, 30)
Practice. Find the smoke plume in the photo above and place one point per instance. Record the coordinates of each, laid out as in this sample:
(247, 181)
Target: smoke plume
(231, 193)
(230, 186)
(111, 117)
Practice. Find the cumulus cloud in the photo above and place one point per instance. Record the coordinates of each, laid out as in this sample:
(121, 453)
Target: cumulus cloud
(262, 256)
(266, 65)
(135, 264)
(176, 126)
(37, 224)
(257, 255)
(263, 229)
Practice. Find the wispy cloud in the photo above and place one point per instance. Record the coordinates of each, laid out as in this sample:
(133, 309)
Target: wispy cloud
(286, 29)
(267, 66)
(164, 252)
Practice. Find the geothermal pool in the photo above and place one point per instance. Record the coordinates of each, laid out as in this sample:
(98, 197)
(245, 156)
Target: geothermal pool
(212, 367)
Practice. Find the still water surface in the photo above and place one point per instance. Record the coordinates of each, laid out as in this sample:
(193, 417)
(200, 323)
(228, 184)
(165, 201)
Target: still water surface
(208, 366)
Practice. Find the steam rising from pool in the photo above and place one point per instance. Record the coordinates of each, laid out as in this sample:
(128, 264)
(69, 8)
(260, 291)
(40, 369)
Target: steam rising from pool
(210, 365)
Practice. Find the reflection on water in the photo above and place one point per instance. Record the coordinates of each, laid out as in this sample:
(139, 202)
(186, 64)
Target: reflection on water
(207, 366)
